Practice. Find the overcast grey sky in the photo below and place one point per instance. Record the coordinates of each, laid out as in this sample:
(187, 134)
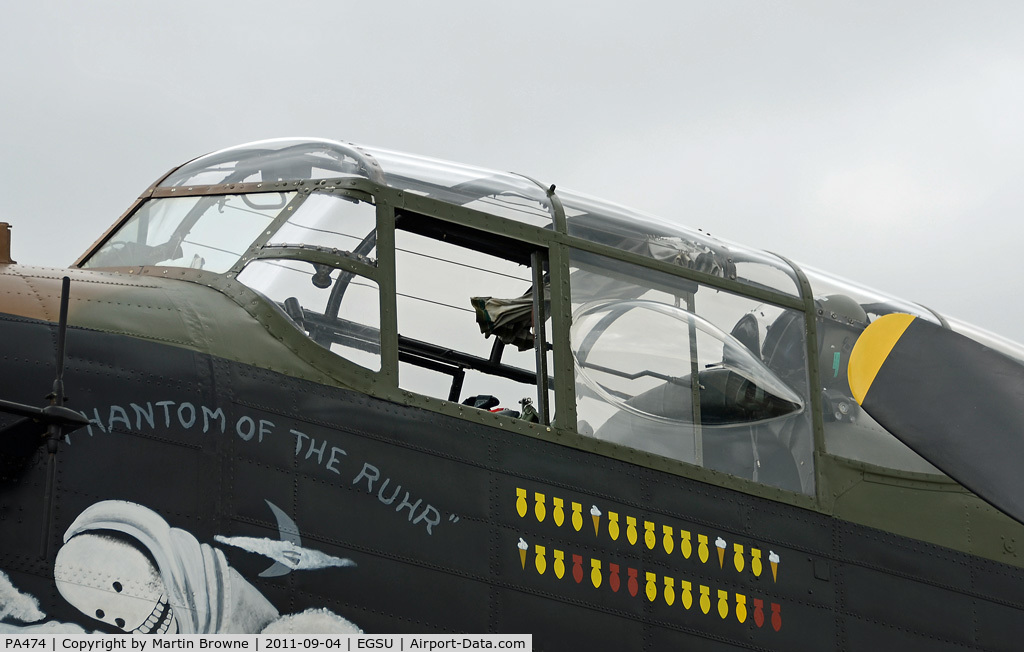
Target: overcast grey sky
(880, 141)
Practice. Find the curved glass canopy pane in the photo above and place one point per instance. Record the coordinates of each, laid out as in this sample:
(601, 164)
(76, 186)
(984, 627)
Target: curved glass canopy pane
(499, 193)
(637, 355)
(282, 159)
(872, 302)
(292, 159)
(623, 228)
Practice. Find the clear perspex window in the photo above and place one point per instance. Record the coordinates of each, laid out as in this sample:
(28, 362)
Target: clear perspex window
(691, 373)
(844, 310)
(338, 310)
(210, 233)
(629, 230)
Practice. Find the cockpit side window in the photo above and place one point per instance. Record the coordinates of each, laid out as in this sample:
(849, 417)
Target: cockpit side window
(318, 268)
(467, 305)
(692, 373)
(306, 291)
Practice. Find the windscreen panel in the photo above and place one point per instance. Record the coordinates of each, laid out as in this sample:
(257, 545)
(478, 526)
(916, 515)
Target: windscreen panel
(210, 233)
(332, 222)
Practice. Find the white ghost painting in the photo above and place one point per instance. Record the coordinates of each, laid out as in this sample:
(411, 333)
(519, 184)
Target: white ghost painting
(169, 582)
(124, 565)
(113, 581)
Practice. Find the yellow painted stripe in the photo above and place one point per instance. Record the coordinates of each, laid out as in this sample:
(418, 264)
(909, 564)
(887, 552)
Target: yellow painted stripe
(871, 350)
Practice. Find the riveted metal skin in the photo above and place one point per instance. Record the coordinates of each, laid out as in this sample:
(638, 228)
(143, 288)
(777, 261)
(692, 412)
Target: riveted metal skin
(425, 504)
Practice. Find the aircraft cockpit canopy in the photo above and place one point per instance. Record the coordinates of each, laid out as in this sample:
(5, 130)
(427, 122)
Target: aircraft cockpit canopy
(633, 231)
(286, 159)
(498, 193)
(666, 340)
(257, 167)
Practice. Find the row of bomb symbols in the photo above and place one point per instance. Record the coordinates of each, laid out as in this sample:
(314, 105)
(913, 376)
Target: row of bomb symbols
(686, 593)
(540, 510)
(650, 538)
